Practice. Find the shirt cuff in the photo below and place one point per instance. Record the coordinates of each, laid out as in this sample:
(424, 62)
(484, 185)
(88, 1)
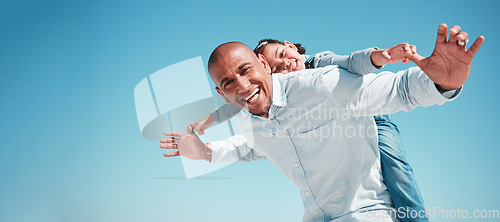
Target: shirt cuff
(215, 115)
(225, 151)
(452, 93)
(376, 67)
(217, 148)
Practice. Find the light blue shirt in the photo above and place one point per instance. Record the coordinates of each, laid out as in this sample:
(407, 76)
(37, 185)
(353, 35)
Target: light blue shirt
(321, 134)
(358, 62)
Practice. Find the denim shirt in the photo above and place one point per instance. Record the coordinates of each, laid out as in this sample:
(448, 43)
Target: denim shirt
(358, 62)
(321, 134)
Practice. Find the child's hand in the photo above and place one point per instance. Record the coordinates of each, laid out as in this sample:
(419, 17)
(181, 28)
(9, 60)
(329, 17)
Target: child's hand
(400, 52)
(202, 124)
(397, 53)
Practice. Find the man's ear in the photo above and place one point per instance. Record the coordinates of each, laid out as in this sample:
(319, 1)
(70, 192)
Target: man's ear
(222, 94)
(290, 45)
(263, 60)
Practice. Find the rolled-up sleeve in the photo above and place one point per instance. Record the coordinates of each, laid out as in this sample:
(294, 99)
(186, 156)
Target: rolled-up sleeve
(233, 149)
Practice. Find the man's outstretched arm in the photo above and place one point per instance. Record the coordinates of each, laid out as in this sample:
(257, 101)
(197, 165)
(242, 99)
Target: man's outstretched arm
(445, 71)
(449, 64)
(233, 149)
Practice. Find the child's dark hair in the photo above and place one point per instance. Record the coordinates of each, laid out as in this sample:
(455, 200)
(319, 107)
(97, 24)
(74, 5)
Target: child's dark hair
(264, 42)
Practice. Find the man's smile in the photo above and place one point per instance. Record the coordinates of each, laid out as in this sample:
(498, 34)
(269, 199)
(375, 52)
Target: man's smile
(252, 97)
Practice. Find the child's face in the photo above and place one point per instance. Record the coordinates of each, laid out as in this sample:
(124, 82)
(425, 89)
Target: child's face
(283, 58)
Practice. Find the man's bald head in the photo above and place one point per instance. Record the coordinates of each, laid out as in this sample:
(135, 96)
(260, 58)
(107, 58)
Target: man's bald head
(227, 49)
(241, 77)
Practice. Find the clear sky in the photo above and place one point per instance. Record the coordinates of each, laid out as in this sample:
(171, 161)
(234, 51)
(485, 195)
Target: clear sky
(71, 148)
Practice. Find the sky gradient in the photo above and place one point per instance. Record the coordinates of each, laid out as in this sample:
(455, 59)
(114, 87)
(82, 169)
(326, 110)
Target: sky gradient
(71, 146)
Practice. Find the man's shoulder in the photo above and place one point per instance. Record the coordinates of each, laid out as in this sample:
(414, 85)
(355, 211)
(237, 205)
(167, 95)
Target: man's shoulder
(306, 81)
(306, 73)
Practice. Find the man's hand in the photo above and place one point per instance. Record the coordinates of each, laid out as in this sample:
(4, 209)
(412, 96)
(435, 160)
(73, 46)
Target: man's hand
(202, 124)
(397, 53)
(449, 64)
(187, 145)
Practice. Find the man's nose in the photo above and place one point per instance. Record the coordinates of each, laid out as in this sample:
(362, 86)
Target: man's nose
(242, 84)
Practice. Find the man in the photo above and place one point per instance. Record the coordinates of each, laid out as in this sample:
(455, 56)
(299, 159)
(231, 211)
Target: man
(316, 126)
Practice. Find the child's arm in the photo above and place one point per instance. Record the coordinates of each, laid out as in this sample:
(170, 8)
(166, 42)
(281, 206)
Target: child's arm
(220, 115)
(358, 62)
(363, 61)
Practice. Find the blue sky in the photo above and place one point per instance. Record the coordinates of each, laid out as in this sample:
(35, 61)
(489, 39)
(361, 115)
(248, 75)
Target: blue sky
(71, 145)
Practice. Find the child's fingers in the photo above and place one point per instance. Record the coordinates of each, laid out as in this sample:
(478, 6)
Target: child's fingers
(410, 49)
(413, 49)
(407, 48)
(386, 56)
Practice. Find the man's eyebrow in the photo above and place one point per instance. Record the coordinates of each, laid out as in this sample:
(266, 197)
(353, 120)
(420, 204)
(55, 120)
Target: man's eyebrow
(237, 69)
(223, 81)
(241, 66)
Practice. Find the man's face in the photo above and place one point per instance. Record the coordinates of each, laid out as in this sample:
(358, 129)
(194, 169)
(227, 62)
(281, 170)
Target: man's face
(244, 80)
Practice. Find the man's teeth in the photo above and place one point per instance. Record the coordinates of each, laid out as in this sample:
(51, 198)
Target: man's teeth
(252, 95)
(253, 98)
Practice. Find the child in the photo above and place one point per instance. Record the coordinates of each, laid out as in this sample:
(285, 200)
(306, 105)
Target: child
(285, 57)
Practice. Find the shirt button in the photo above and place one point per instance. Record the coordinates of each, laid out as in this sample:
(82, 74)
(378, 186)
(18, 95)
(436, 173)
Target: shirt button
(317, 212)
(296, 164)
(307, 193)
(284, 135)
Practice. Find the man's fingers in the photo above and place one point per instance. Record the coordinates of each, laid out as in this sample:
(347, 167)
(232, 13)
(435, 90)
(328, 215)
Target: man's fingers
(462, 36)
(173, 133)
(176, 153)
(168, 140)
(192, 126)
(454, 31)
(416, 58)
(190, 130)
(168, 146)
(475, 47)
(442, 32)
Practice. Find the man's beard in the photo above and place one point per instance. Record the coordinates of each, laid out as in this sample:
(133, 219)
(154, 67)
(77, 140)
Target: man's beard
(266, 109)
